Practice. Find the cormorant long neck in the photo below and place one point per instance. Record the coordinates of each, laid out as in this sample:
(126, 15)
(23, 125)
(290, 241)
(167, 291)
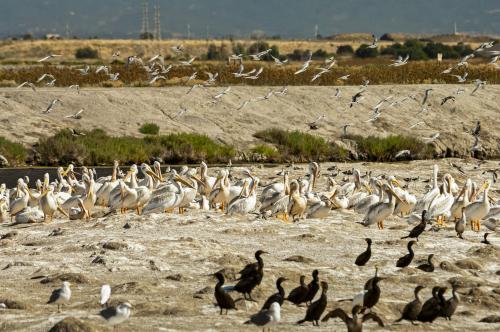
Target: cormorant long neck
(281, 291)
(417, 294)
(410, 248)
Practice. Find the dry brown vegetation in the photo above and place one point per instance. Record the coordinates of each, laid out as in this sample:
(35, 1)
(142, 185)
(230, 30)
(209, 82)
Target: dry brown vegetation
(414, 73)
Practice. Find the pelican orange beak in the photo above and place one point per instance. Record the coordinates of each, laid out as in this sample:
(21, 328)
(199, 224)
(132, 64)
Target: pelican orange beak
(368, 188)
(183, 181)
(153, 175)
(396, 195)
(395, 182)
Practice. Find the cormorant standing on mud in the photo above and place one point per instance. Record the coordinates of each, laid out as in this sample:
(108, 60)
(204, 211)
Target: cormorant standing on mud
(298, 294)
(313, 287)
(251, 276)
(224, 300)
(419, 229)
(364, 257)
(276, 297)
(413, 308)
(432, 307)
(406, 259)
(316, 309)
(429, 266)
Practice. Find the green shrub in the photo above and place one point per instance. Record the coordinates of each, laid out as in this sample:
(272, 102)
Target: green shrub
(97, 148)
(149, 129)
(267, 151)
(345, 50)
(14, 152)
(86, 53)
(365, 52)
(298, 146)
(385, 148)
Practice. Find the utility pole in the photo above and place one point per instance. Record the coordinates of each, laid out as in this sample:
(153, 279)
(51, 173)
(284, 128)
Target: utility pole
(316, 31)
(189, 31)
(455, 31)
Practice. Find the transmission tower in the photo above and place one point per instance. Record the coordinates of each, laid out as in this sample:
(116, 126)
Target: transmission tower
(157, 21)
(145, 20)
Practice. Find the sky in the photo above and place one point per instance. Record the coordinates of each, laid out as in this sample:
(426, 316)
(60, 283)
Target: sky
(240, 18)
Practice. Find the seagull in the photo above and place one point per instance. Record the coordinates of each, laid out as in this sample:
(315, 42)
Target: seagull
(477, 130)
(459, 91)
(344, 128)
(211, 78)
(402, 154)
(188, 63)
(432, 138)
(48, 57)
(258, 56)
(416, 124)
(44, 76)
(133, 59)
(305, 65)
(61, 295)
(165, 70)
(74, 86)
(29, 84)
(102, 68)
(374, 42)
(330, 60)
(239, 73)
(77, 115)
(344, 78)
(116, 315)
(282, 92)
(114, 77)
(476, 146)
(192, 77)
(338, 92)
(84, 71)
(356, 98)
(447, 71)
(156, 78)
(244, 104)
(318, 75)
(52, 105)
(316, 123)
(400, 61)
(484, 46)
(156, 57)
(266, 97)
(426, 95)
(223, 93)
(74, 132)
(236, 57)
(266, 317)
(51, 83)
(105, 295)
(461, 79)
(494, 60)
(445, 99)
(278, 62)
(478, 84)
(194, 86)
(178, 49)
(115, 54)
(180, 113)
(256, 75)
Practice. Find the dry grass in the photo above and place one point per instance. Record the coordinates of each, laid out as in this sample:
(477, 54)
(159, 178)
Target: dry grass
(424, 72)
(30, 51)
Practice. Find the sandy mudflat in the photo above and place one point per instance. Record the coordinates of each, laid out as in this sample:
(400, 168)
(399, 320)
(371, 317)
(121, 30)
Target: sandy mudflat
(121, 112)
(171, 293)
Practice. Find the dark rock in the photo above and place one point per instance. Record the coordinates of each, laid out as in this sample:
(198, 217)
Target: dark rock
(299, 259)
(71, 324)
(115, 245)
(468, 264)
(11, 304)
(99, 260)
(491, 319)
(175, 277)
(74, 278)
(9, 235)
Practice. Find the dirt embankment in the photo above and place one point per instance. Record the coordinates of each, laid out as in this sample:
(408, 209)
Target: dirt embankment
(122, 111)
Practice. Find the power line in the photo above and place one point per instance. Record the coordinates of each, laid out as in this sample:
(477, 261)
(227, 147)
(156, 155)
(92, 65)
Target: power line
(157, 21)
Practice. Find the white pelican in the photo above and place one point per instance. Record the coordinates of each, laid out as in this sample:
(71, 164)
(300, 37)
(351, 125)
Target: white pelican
(29, 215)
(321, 209)
(279, 208)
(245, 204)
(380, 211)
(373, 198)
(405, 206)
(35, 194)
(4, 213)
(348, 188)
(21, 202)
(88, 198)
(135, 197)
(220, 195)
(207, 182)
(79, 212)
(424, 202)
(440, 207)
(168, 200)
(274, 192)
(189, 191)
(297, 205)
(102, 195)
(478, 210)
(49, 204)
(459, 204)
